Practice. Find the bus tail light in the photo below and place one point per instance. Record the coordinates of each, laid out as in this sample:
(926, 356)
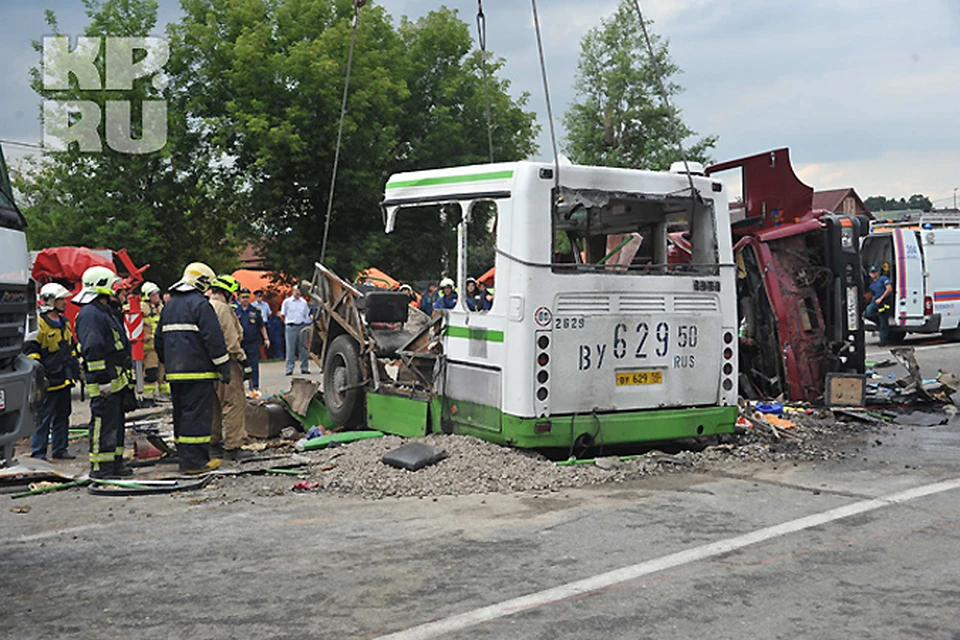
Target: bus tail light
(927, 305)
(541, 386)
(727, 383)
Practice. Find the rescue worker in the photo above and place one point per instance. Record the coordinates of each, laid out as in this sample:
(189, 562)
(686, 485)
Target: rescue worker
(54, 347)
(106, 359)
(229, 414)
(153, 381)
(190, 345)
(429, 298)
(448, 297)
(254, 332)
(878, 311)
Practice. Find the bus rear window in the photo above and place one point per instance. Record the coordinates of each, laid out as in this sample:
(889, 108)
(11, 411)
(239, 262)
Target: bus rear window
(631, 233)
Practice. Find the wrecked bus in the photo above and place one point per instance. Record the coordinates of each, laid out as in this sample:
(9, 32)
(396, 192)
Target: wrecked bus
(594, 336)
(799, 282)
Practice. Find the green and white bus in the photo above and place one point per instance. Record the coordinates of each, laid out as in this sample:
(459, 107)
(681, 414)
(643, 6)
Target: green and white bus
(598, 333)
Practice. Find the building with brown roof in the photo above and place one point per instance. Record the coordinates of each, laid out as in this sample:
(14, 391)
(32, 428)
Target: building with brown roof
(840, 201)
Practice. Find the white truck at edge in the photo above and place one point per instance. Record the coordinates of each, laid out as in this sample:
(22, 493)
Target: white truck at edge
(922, 261)
(21, 382)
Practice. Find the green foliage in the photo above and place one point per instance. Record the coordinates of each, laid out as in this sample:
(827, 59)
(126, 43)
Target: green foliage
(162, 207)
(254, 102)
(266, 80)
(881, 203)
(618, 118)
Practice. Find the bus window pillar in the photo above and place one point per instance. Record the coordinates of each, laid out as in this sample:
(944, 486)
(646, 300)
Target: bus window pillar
(462, 251)
(659, 243)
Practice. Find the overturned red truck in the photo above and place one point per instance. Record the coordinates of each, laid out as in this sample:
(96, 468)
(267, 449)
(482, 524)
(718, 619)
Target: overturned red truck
(800, 283)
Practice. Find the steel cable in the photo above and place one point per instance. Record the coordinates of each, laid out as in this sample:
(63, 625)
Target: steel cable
(343, 114)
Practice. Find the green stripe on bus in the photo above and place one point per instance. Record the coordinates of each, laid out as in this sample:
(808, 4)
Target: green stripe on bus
(474, 177)
(488, 335)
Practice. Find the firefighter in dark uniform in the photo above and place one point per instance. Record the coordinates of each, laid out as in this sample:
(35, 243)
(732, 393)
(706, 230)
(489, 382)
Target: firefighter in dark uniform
(191, 347)
(106, 356)
(54, 348)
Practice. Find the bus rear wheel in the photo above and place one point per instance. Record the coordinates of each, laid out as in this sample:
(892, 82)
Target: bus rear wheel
(342, 393)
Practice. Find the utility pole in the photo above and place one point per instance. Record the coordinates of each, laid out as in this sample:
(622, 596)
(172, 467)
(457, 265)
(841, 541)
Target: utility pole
(955, 198)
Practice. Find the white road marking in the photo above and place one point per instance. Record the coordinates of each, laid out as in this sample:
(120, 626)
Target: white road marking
(462, 621)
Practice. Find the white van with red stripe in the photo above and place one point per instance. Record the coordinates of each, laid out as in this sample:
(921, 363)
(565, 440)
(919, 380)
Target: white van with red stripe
(922, 260)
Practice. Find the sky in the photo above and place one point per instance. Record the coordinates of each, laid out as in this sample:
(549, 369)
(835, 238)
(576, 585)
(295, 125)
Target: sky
(865, 93)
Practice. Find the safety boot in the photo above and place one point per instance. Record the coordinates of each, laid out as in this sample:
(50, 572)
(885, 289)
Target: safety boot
(213, 465)
(237, 455)
(121, 470)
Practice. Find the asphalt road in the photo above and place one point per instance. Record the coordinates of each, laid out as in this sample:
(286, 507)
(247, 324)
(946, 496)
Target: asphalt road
(864, 548)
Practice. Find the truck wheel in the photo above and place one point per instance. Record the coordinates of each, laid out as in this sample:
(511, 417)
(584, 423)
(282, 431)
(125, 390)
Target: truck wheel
(341, 377)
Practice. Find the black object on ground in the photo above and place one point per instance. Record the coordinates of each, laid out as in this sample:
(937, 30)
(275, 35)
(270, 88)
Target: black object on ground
(414, 456)
(922, 419)
(133, 488)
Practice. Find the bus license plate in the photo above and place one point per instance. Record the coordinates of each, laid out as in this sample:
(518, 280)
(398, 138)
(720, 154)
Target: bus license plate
(628, 378)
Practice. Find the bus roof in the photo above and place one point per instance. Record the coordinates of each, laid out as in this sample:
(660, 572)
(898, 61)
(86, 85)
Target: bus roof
(496, 180)
(482, 180)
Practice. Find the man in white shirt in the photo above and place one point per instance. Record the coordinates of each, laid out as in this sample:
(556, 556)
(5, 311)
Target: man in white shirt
(296, 317)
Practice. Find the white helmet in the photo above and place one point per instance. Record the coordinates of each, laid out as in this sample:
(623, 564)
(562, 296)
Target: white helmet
(50, 293)
(97, 281)
(196, 276)
(446, 282)
(147, 288)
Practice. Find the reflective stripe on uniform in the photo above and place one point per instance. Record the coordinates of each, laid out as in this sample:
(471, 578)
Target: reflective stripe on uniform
(219, 361)
(35, 356)
(97, 365)
(193, 440)
(95, 456)
(180, 327)
(205, 375)
(60, 386)
(116, 385)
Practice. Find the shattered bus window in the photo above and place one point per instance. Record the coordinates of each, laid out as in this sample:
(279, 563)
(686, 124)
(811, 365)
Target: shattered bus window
(633, 233)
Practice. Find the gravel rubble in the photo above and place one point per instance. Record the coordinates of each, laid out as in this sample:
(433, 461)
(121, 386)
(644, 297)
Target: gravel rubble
(473, 466)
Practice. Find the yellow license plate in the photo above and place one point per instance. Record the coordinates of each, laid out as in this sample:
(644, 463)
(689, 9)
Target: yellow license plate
(639, 377)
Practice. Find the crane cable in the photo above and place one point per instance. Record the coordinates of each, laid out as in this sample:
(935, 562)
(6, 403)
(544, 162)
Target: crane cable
(546, 92)
(671, 114)
(482, 40)
(343, 114)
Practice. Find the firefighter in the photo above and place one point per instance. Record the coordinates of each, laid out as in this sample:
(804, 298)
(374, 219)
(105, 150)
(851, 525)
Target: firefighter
(190, 345)
(153, 380)
(53, 346)
(106, 358)
(229, 428)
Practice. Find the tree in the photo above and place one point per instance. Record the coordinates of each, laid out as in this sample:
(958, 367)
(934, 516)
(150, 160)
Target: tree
(265, 79)
(882, 203)
(619, 118)
(163, 206)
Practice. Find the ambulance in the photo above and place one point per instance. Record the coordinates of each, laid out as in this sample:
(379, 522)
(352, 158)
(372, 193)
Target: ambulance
(922, 259)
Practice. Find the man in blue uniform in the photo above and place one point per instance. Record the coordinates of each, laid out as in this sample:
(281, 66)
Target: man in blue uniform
(191, 347)
(254, 331)
(881, 292)
(53, 346)
(106, 360)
